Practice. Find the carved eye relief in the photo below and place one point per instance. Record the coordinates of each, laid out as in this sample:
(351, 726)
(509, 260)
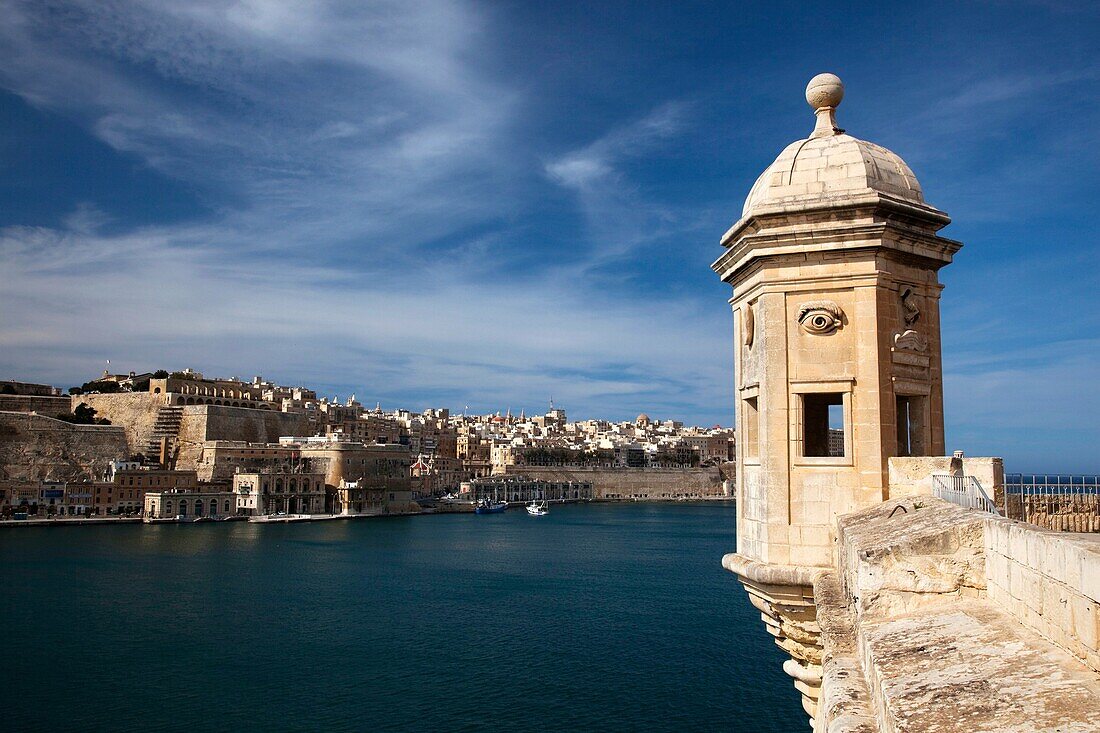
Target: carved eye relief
(820, 317)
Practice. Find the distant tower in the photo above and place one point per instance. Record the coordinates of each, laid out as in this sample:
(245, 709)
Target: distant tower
(834, 266)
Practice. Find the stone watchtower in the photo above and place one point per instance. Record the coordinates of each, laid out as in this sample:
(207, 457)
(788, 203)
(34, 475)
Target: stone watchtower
(834, 266)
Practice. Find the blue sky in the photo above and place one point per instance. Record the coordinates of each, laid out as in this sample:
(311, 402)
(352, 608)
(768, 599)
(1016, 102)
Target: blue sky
(429, 202)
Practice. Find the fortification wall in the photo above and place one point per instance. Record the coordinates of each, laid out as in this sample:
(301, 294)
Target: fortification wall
(933, 610)
(43, 405)
(634, 483)
(1049, 581)
(38, 448)
(201, 423)
(135, 413)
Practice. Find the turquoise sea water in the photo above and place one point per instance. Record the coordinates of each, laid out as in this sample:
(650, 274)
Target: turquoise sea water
(593, 618)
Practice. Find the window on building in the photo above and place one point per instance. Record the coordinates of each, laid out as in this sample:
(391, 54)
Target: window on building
(823, 425)
(751, 415)
(912, 437)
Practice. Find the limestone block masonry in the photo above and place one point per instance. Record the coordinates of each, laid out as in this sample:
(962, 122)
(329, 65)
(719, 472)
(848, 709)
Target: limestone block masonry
(37, 448)
(940, 618)
(137, 414)
(1049, 581)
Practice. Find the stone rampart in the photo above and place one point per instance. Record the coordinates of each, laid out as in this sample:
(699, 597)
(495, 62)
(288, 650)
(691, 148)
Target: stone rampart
(634, 483)
(1049, 581)
(912, 475)
(135, 413)
(38, 448)
(940, 618)
(201, 423)
(43, 405)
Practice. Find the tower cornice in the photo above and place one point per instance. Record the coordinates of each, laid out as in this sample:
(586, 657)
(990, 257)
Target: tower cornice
(874, 221)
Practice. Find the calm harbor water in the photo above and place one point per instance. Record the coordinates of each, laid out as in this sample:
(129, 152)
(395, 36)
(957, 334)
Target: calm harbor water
(595, 618)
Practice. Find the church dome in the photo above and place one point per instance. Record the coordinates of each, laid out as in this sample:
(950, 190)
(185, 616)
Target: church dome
(830, 165)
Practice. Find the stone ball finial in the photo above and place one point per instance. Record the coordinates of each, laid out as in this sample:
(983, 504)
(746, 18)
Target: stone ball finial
(824, 90)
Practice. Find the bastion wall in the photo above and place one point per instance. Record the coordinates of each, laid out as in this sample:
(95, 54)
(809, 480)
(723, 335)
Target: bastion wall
(37, 448)
(200, 423)
(44, 405)
(135, 413)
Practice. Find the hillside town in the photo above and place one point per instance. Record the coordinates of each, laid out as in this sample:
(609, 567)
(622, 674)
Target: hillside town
(181, 446)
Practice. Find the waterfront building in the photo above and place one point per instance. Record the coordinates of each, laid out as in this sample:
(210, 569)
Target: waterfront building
(189, 503)
(220, 460)
(275, 490)
(519, 488)
(363, 498)
(378, 466)
(46, 498)
(125, 492)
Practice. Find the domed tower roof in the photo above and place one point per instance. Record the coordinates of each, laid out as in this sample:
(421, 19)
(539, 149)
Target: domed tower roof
(830, 165)
(831, 191)
(642, 419)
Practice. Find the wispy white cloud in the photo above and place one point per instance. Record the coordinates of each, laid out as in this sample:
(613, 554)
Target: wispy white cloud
(355, 137)
(368, 173)
(617, 214)
(176, 305)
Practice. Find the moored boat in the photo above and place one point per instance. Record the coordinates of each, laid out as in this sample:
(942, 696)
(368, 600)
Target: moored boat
(537, 509)
(490, 507)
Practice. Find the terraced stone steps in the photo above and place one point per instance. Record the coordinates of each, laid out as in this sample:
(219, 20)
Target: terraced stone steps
(167, 425)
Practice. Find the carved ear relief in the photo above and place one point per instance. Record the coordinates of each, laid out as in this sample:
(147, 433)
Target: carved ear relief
(750, 325)
(820, 317)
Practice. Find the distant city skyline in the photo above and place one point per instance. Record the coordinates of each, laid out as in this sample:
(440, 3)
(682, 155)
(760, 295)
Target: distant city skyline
(443, 203)
(364, 396)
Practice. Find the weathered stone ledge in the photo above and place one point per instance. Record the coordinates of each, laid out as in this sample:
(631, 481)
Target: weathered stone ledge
(845, 704)
(765, 573)
(947, 619)
(968, 666)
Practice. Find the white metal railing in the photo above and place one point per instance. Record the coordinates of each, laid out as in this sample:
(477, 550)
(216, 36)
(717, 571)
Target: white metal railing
(965, 491)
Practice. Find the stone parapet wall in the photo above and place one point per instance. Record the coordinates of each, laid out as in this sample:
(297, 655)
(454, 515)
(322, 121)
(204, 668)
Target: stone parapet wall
(37, 448)
(1049, 581)
(940, 618)
(905, 553)
(51, 406)
(912, 475)
(634, 483)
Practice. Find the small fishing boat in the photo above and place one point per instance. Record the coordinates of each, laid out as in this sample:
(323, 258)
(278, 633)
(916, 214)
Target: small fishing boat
(490, 507)
(537, 509)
